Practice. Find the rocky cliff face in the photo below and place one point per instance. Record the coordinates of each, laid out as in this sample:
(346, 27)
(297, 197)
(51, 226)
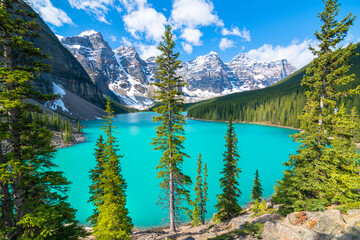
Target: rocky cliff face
(121, 72)
(206, 73)
(125, 74)
(250, 74)
(66, 70)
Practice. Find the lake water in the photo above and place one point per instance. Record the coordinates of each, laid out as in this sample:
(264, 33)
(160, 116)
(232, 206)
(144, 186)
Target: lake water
(260, 147)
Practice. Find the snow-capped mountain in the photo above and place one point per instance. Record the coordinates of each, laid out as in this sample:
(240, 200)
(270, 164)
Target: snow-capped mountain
(251, 74)
(122, 71)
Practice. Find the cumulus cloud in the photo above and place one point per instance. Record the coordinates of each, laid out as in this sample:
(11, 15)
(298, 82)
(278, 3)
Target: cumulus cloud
(113, 38)
(245, 34)
(125, 41)
(98, 8)
(187, 47)
(194, 13)
(192, 36)
(147, 51)
(145, 20)
(296, 53)
(225, 44)
(51, 14)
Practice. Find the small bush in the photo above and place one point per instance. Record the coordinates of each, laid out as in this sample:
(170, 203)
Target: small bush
(311, 205)
(259, 209)
(345, 207)
(249, 229)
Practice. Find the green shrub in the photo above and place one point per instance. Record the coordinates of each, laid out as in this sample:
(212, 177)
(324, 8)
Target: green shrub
(249, 229)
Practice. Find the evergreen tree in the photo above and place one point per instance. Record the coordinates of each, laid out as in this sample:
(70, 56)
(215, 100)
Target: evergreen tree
(227, 205)
(256, 192)
(32, 192)
(324, 171)
(205, 197)
(198, 214)
(170, 133)
(95, 175)
(78, 126)
(111, 217)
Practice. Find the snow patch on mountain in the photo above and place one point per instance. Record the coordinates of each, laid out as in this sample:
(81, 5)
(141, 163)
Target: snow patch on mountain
(122, 72)
(58, 103)
(87, 33)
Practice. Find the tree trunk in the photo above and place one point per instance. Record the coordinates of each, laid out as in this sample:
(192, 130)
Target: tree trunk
(172, 202)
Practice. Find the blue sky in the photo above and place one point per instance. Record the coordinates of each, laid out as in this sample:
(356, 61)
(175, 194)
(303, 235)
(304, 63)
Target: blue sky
(265, 30)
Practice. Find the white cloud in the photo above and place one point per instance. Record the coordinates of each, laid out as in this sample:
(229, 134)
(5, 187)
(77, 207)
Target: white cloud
(245, 34)
(192, 36)
(194, 13)
(113, 38)
(147, 51)
(126, 41)
(187, 47)
(99, 8)
(145, 20)
(51, 14)
(226, 43)
(296, 53)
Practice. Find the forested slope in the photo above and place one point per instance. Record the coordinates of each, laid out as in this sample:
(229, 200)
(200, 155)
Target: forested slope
(279, 104)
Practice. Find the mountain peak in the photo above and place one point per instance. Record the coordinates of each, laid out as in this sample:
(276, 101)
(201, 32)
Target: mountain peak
(213, 53)
(88, 33)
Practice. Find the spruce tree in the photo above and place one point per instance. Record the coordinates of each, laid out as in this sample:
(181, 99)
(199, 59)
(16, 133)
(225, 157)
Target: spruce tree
(205, 197)
(198, 214)
(323, 171)
(227, 205)
(95, 176)
(111, 217)
(256, 191)
(33, 193)
(170, 134)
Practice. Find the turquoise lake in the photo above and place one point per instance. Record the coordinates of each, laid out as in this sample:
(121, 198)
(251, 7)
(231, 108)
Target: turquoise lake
(260, 147)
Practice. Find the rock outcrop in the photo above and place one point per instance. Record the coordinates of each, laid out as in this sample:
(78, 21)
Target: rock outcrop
(330, 224)
(66, 70)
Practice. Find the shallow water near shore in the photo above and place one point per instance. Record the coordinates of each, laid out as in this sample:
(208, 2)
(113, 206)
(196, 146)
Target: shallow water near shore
(260, 147)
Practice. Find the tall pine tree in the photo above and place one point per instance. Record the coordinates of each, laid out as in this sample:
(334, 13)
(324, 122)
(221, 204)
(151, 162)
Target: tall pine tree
(198, 214)
(323, 171)
(170, 134)
(227, 205)
(111, 218)
(205, 197)
(256, 191)
(33, 193)
(95, 176)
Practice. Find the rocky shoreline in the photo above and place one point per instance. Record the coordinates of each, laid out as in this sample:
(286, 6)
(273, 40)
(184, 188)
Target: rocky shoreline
(327, 225)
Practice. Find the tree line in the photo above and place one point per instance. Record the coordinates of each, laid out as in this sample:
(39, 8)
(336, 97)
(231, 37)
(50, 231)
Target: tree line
(280, 104)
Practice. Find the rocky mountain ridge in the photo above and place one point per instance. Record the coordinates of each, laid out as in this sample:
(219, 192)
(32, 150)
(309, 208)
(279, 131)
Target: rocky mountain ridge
(122, 71)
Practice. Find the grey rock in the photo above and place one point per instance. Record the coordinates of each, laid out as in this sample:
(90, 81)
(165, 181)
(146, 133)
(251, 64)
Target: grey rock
(66, 70)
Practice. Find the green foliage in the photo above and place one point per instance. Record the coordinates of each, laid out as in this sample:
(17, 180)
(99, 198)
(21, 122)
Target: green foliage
(256, 191)
(325, 169)
(311, 205)
(33, 194)
(279, 104)
(351, 205)
(198, 214)
(227, 205)
(110, 219)
(170, 134)
(95, 176)
(248, 229)
(260, 208)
